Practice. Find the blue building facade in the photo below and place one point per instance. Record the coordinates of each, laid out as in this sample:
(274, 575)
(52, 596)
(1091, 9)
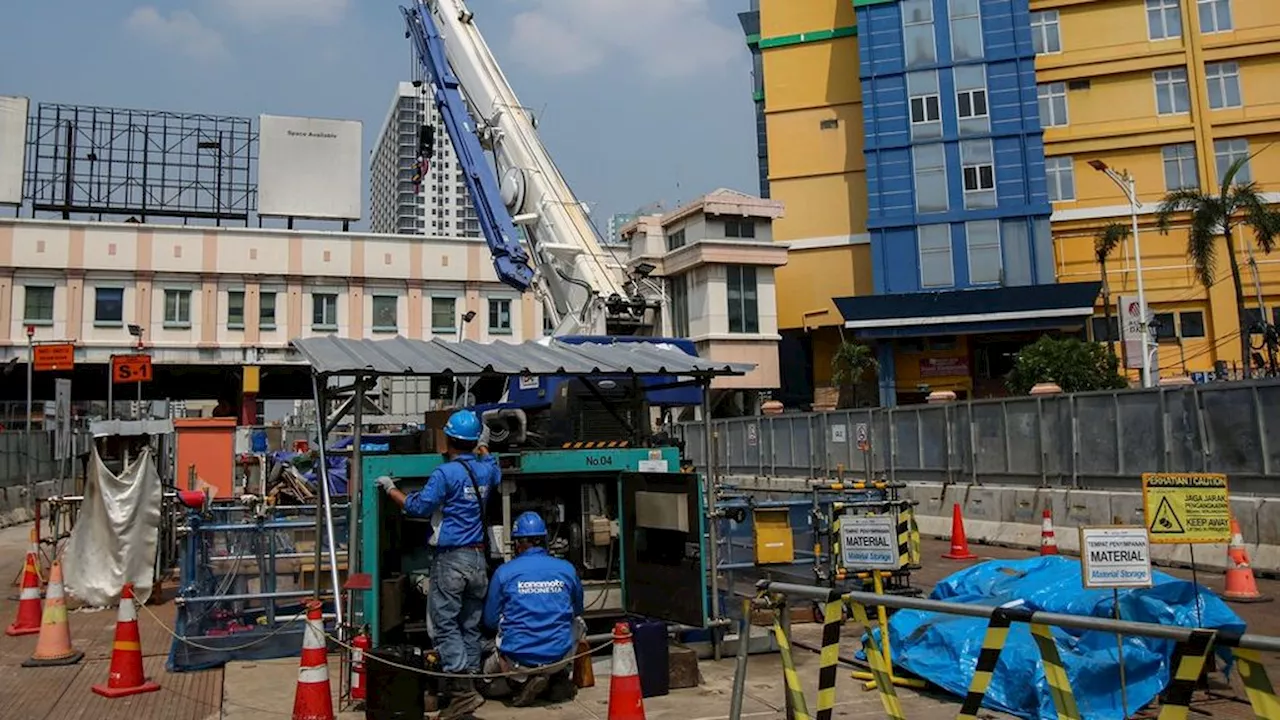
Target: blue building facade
(957, 197)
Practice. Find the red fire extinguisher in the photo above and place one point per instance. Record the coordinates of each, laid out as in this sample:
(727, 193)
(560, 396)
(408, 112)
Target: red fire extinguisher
(359, 644)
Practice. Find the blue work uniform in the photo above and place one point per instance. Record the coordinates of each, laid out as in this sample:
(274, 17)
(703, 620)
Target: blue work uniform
(533, 600)
(459, 572)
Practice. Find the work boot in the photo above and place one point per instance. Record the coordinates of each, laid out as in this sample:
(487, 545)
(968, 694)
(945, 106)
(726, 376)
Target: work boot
(528, 694)
(463, 699)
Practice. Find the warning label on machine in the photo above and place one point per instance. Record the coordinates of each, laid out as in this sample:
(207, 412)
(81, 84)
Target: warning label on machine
(1184, 508)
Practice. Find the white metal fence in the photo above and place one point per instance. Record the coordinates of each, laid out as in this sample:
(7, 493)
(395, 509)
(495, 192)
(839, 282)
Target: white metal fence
(1086, 440)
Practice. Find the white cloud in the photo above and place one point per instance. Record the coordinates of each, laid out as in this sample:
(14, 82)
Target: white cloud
(181, 31)
(664, 39)
(265, 12)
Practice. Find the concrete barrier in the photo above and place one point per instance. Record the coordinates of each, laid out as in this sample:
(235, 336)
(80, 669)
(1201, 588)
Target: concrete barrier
(1011, 516)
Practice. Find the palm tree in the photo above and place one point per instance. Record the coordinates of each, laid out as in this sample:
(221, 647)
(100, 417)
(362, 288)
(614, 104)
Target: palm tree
(850, 364)
(1104, 243)
(1235, 204)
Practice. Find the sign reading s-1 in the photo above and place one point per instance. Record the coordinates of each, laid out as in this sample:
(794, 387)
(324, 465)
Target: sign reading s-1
(130, 368)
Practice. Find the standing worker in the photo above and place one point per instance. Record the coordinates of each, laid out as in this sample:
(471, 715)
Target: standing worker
(455, 499)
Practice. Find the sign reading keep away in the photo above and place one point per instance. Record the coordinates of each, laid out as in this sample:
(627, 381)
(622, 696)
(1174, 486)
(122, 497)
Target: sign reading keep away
(1115, 557)
(869, 542)
(1185, 508)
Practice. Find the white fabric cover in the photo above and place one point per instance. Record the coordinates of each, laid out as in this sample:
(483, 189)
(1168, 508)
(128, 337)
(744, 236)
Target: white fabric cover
(116, 532)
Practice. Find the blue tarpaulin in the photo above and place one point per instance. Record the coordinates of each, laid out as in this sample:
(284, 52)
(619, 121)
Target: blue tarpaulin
(943, 649)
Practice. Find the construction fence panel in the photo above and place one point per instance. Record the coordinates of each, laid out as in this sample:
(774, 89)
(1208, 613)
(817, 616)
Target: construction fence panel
(1101, 440)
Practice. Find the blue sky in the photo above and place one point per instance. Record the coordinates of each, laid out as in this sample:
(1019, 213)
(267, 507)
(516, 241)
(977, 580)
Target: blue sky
(638, 100)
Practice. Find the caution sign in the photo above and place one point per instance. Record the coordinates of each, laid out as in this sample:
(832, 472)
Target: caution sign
(1186, 508)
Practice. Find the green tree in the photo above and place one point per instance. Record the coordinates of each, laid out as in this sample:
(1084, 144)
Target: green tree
(1105, 243)
(1075, 365)
(851, 363)
(1218, 216)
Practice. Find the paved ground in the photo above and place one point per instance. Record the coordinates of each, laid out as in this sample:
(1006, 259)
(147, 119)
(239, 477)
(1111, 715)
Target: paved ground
(264, 690)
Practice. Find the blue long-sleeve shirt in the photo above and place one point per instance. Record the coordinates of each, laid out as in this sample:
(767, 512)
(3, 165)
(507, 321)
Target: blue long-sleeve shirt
(532, 602)
(449, 499)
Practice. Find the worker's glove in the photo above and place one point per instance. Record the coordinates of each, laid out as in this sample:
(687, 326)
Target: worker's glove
(386, 482)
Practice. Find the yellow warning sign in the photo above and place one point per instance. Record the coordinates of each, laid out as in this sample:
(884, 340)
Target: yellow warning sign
(1185, 508)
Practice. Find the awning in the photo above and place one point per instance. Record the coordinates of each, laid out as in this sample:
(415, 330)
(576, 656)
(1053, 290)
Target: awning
(955, 312)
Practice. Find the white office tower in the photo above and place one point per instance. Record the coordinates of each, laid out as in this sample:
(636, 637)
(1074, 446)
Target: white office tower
(438, 205)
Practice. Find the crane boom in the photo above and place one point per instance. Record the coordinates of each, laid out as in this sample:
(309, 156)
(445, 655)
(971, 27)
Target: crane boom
(583, 287)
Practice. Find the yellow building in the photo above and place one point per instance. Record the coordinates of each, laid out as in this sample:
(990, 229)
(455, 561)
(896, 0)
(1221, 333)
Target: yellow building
(1172, 92)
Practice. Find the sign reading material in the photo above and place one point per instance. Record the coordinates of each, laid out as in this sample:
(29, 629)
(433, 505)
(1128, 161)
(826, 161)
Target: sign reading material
(1115, 557)
(1186, 508)
(130, 368)
(869, 542)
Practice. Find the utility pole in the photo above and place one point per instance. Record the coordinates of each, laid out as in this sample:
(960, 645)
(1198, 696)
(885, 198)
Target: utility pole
(30, 451)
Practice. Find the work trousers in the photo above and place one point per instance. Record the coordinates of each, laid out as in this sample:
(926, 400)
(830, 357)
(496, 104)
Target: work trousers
(455, 602)
(496, 663)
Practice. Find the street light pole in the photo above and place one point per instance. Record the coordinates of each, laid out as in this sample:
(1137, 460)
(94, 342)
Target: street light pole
(31, 360)
(1128, 186)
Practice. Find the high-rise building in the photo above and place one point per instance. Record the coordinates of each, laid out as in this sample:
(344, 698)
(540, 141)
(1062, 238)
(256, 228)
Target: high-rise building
(439, 205)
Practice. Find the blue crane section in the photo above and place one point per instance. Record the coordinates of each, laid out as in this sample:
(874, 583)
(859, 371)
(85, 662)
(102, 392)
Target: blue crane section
(509, 258)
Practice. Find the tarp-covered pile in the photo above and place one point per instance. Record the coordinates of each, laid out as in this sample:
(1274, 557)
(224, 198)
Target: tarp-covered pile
(943, 649)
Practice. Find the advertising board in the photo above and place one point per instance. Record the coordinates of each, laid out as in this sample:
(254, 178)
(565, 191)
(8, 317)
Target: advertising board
(309, 167)
(13, 148)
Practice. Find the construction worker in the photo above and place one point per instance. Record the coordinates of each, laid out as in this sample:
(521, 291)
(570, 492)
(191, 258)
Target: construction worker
(454, 498)
(535, 605)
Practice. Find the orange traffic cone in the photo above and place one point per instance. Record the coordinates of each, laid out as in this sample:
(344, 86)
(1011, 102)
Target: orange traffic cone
(1241, 586)
(959, 541)
(29, 613)
(126, 676)
(626, 701)
(1048, 541)
(313, 700)
(53, 647)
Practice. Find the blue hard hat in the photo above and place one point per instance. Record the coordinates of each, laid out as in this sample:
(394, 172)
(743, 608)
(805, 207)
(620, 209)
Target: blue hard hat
(463, 425)
(529, 524)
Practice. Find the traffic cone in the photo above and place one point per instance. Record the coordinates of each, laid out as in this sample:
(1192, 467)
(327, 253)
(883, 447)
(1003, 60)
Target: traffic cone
(1241, 586)
(53, 647)
(29, 613)
(126, 676)
(959, 541)
(1048, 541)
(626, 701)
(313, 700)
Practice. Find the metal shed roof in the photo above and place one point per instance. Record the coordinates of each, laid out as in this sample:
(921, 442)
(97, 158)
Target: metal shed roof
(401, 356)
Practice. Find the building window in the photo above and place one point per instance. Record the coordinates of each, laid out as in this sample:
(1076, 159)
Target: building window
(1226, 152)
(177, 308)
(675, 240)
(1061, 176)
(499, 316)
(917, 32)
(739, 228)
(983, 239)
(1164, 19)
(267, 311)
(930, 178)
(1223, 80)
(978, 162)
(971, 99)
(926, 111)
(971, 103)
(1164, 326)
(444, 314)
(1045, 35)
(108, 306)
(678, 287)
(935, 256)
(744, 311)
(235, 310)
(1191, 323)
(966, 29)
(324, 311)
(1053, 104)
(1215, 16)
(1173, 97)
(1180, 167)
(37, 305)
(1099, 329)
(384, 313)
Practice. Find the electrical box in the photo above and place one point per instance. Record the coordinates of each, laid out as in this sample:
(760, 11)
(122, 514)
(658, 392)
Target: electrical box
(774, 542)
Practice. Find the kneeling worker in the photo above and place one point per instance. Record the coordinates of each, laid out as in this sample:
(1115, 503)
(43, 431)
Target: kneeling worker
(535, 604)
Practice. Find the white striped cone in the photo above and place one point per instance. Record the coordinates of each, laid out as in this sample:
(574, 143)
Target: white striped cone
(1048, 540)
(313, 699)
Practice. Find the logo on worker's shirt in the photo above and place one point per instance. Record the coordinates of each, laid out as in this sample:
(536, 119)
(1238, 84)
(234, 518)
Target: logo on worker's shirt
(540, 587)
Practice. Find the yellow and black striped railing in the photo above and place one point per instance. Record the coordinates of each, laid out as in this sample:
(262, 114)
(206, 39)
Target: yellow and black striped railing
(596, 444)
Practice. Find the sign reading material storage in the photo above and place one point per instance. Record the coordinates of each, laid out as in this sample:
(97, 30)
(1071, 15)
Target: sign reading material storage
(1184, 508)
(1115, 557)
(869, 542)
